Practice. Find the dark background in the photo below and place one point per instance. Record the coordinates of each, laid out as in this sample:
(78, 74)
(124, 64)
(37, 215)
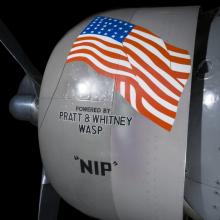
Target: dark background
(38, 27)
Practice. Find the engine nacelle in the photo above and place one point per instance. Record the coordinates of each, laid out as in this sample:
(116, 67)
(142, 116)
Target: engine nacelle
(114, 146)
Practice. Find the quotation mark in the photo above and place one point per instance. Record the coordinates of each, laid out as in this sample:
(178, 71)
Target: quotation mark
(115, 163)
(76, 157)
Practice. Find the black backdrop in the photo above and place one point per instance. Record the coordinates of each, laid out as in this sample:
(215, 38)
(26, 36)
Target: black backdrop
(38, 27)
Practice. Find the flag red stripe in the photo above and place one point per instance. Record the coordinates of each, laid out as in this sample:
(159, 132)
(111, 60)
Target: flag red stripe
(127, 91)
(117, 86)
(100, 40)
(106, 63)
(176, 49)
(139, 28)
(107, 53)
(180, 75)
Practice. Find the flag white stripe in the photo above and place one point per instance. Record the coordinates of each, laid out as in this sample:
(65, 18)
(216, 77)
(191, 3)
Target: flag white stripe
(133, 97)
(147, 60)
(151, 49)
(157, 113)
(153, 79)
(158, 99)
(105, 38)
(180, 67)
(182, 81)
(122, 89)
(103, 56)
(101, 45)
(102, 66)
(155, 39)
(181, 55)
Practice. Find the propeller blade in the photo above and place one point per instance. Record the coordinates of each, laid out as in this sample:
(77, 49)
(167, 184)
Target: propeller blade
(13, 47)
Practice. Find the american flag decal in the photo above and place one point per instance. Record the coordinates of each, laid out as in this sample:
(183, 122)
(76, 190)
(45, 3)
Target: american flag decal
(148, 72)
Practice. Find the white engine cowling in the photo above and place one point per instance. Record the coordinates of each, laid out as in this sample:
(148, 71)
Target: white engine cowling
(101, 155)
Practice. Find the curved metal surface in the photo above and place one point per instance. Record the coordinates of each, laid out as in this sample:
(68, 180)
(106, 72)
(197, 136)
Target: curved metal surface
(24, 105)
(202, 187)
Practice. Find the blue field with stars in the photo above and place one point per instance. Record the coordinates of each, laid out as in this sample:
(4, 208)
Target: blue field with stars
(109, 27)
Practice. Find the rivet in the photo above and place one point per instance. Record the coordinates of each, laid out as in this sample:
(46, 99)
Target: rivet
(214, 207)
